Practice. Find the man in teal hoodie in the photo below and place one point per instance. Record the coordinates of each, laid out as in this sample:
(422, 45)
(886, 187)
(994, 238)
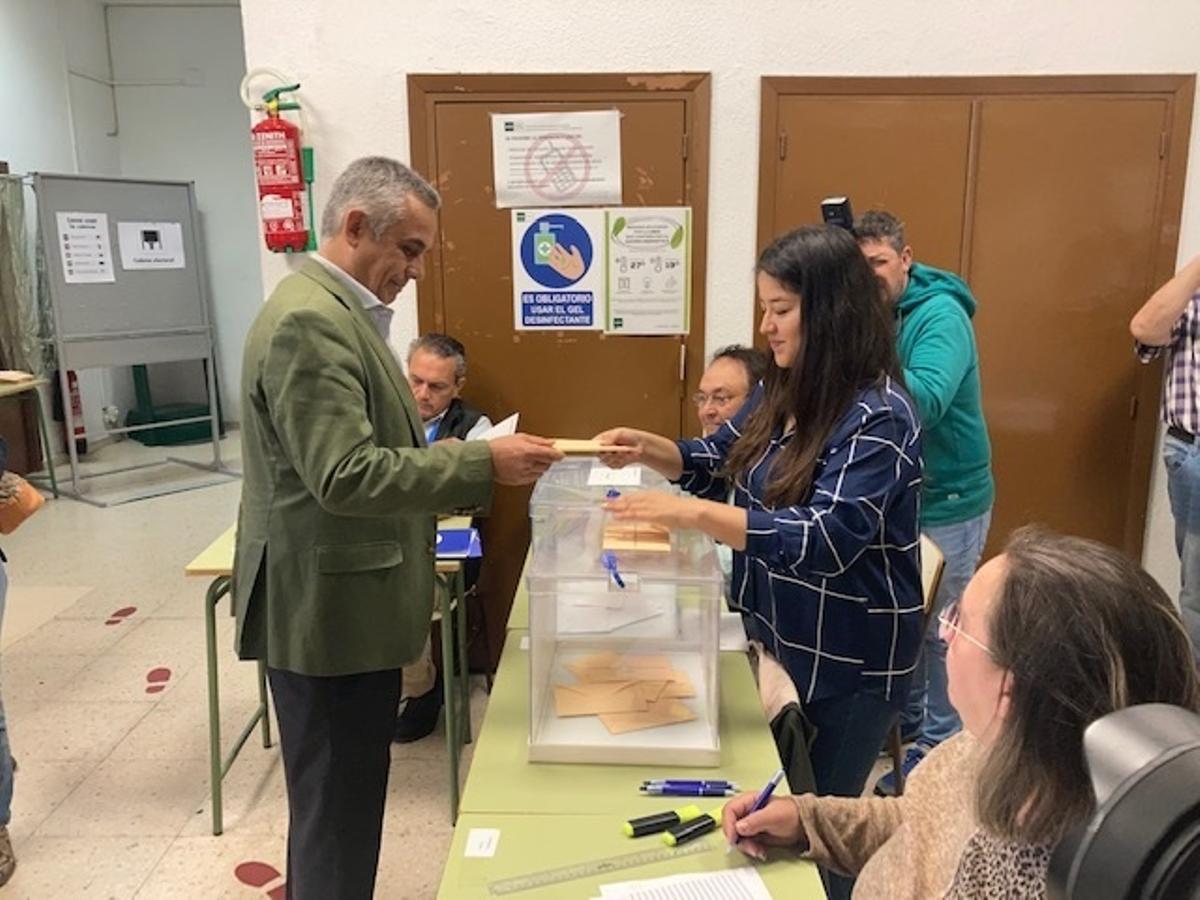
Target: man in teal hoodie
(941, 370)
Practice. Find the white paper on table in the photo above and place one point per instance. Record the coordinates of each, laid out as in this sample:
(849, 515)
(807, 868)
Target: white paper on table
(743, 883)
(733, 632)
(601, 475)
(482, 842)
(501, 429)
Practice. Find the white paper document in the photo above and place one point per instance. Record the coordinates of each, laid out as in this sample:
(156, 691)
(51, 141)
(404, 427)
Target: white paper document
(482, 842)
(743, 883)
(501, 429)
(601, 475)
(649, 612)
(151, 245)
(84, 248)
(733, 631)
(557, 159)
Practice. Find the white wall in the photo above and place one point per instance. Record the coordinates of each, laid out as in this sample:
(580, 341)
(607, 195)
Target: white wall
(58, 121)
(199, 133)
(352, 57)
(37, 99)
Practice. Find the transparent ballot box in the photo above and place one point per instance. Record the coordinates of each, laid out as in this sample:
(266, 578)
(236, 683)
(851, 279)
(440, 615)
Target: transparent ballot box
(623, 629)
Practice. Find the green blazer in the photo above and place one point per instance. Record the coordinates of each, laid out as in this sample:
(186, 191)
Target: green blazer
(333, 573)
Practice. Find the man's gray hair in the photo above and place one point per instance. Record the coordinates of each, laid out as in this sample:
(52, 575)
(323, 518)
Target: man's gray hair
(377, 185)
(444, 346)
(880, 225)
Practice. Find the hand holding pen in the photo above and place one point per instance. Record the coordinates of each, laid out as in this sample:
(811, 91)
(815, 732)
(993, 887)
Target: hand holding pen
(753, 822)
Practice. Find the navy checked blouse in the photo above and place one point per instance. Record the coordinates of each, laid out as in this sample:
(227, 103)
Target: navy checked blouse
(831, 588)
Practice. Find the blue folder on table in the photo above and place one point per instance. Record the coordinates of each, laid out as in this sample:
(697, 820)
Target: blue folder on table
(458, 543)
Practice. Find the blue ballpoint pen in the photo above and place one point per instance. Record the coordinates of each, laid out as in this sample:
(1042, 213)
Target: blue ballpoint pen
(688, 782)
(760, 802)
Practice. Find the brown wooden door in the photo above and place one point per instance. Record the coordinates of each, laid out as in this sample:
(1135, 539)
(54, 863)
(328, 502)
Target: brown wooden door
(903, 154)
(1058, 199)
(1065, 227)
(563, 383)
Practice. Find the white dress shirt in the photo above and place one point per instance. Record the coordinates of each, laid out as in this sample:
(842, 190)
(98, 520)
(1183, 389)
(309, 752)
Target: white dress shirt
(380, 313)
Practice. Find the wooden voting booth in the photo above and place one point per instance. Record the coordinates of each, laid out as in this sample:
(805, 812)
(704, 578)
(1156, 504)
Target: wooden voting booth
(126, 285)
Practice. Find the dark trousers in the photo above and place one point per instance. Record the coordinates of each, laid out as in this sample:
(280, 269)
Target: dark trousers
(336, 736)
(849, 732)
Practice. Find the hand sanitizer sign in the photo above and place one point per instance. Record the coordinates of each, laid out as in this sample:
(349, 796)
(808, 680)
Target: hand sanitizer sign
(558, 269)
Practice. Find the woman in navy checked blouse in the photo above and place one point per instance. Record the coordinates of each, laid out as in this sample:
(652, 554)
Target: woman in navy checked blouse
(824, 461)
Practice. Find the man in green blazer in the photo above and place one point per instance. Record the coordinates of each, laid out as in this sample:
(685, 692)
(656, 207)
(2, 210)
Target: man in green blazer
(333, 575)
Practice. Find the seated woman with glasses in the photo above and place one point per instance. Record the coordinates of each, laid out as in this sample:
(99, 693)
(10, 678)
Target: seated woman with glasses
(824, 463)
(1048, 637)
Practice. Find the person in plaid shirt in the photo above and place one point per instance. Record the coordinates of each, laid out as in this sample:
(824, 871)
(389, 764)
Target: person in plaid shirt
(1170, 321)
(825, 464)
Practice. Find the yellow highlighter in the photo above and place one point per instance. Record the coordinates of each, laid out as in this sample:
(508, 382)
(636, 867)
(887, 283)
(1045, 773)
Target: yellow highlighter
(660, 821)
(694, 828)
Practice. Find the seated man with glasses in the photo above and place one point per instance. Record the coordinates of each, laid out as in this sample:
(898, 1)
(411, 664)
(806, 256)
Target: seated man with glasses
(726, 383)
(733, 373)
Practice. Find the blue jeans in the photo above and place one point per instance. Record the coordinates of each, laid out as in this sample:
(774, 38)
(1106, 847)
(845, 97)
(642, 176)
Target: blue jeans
(1183, 487)
(929, 712)
(6, 766)
(849, 732)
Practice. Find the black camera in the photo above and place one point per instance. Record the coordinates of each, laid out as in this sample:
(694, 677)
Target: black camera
(837, 211)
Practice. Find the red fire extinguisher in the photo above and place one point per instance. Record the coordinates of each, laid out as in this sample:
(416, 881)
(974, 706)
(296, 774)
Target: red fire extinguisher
(280, 171)
(76, 402)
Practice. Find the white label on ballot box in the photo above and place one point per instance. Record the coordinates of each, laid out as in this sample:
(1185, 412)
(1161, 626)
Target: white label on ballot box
(602, 476)
(482, 842)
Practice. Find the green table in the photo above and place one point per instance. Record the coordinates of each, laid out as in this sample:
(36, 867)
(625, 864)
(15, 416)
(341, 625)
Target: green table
(216, 562)
(502, 780)
(533, 843)
(518, 613)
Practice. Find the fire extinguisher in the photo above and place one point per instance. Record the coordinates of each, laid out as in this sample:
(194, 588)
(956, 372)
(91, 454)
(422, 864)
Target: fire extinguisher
(283, 171)
(76, 412)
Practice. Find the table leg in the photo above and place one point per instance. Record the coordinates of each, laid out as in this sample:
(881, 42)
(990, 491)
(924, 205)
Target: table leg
(464, 666)
(216, 590)
(46, 448)
(263, 704)
(449, 694)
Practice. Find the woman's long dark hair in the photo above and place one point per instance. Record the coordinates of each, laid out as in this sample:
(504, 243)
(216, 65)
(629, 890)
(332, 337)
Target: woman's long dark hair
(847, 343)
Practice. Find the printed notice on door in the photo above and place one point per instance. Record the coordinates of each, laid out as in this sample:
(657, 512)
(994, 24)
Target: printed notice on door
(557, 159)
(84, 248)
(558, 269)
(151, 245)
(649, 270)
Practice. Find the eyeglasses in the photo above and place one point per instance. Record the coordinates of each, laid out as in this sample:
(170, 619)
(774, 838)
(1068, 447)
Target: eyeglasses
(949, 629)
(702, 399)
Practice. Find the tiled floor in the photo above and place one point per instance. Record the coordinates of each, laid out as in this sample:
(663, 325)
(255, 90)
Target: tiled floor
(111, 800)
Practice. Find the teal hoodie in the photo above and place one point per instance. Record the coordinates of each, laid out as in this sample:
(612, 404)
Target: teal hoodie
(941, 370)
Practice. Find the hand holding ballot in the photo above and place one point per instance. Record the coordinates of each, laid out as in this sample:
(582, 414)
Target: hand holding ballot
(522, 458)
(658, 452)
